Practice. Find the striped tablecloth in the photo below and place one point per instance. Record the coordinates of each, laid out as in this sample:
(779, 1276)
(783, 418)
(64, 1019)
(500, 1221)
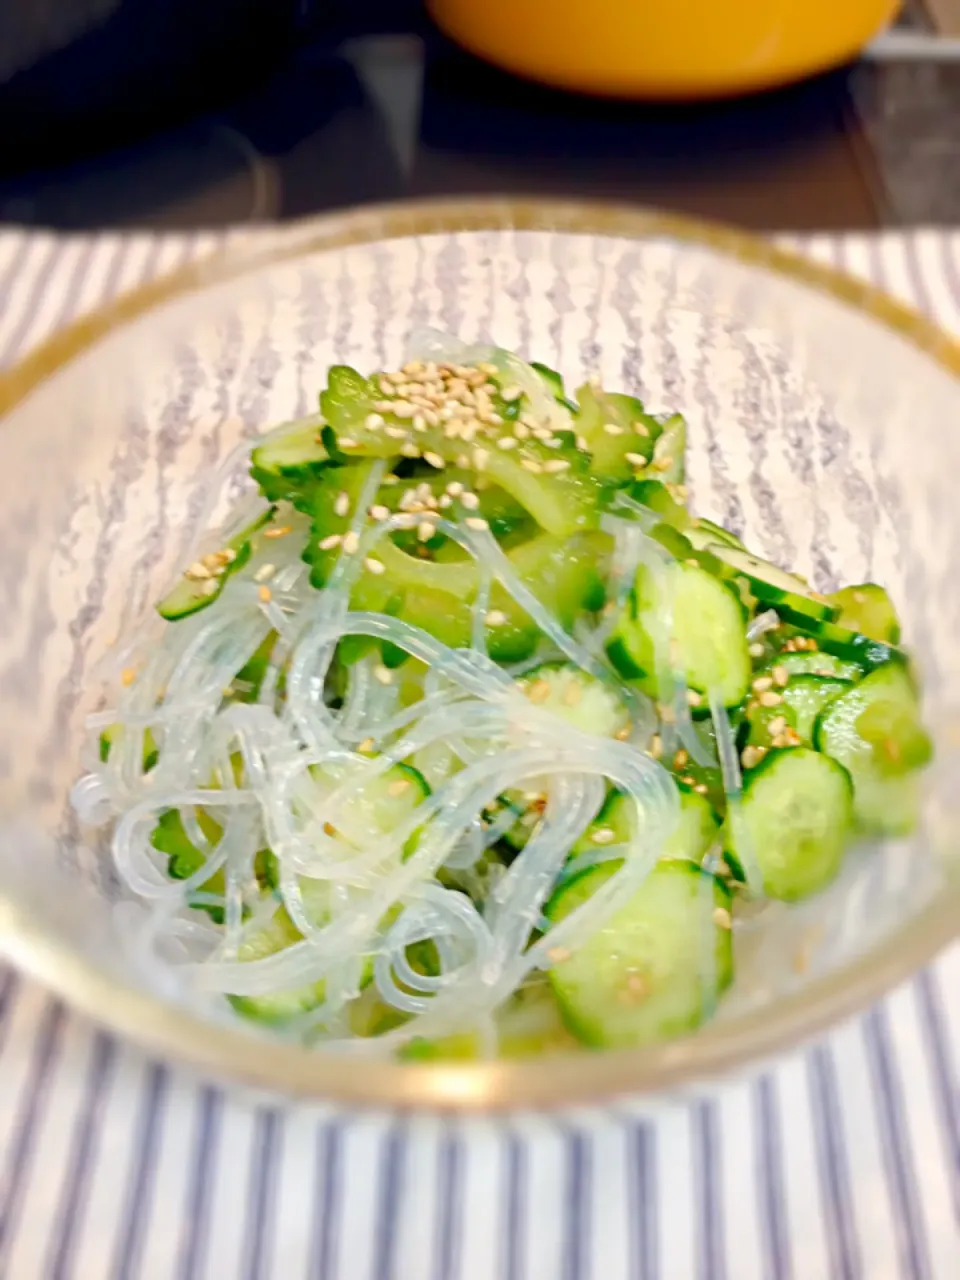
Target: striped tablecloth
(842, 1162)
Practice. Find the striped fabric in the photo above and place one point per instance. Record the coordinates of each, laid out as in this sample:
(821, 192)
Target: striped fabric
(842, 1162)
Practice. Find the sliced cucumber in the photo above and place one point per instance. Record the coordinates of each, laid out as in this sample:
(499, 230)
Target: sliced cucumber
(806, 697)
(380, 805)
(194, 592)
(669, 453)
(795, 820)
(709, 644)
(817, 663)
(659, 965)
(875, 731)
(113, 734)
(587, 703)
(852, 646)
(277, 1008)
(868, 609)
(774, 585)
(655, 495)
(696, 831)
(298, 454)
(619, 433)
(706, 532)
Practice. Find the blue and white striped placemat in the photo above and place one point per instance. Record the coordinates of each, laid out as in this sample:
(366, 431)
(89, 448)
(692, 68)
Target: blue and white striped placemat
(842, 1163)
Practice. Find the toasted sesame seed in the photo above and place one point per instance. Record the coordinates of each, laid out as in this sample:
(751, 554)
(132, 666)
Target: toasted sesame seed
(680, 758)
(345, 442)
(376, 567)
(403, 409)
(265, 572)
(383, 674)
(693, 698)
(612, 429)
(383, 406)
(127, 676)
(507, 442)
(623, 734)
(667, 714)
(770, 699)
(528, 464)
(342, 504)
(781, 676)
(756, 650)
(445, 501)
(662, 464)
(386, 385)
(470, 501)
(409, 449)
(572, 694)
(701, 788)
(280, 531)
(198, 570)
(366, 745)
(641, 429)
(635, 459)
(557, 955)
(656, 746)
(750, 757)
(496, 618)
(211, 587)
(777, 726)
(539, 691)
(395, 433)
(351, 541)
(583, 444)
(761, 683)
(332, 540)
(603, 835)
(265, 594)
(688, 779)
(480, 457)
(399, 787)
(510, 394)
(419, 422)
(379, 512)
(425, 530)
(476, 522)
(373, 421)
(434, 459)
(521, 431)
(555, 465)
(454, 488)
(722, 918)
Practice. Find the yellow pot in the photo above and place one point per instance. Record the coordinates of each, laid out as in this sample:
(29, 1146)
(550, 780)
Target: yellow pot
(664, 48)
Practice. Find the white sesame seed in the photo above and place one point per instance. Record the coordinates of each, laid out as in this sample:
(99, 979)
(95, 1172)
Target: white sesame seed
(342, 503)
(265, 572)
(603, 835)
(419, 422)
(470, 501)
(489, 369)
(346, 443)
(379, 512)
(480, 457)
(373, 421)
(496, 618)
(265, 594)
(556, 464)
(641, 429)
(328, 543)
(395, 433)
(662, 464)
(770, 699)
(635, 459)
(781, 676)
(403, 409)
(528, 464)
(376, 567)
(210, 587)
(761, 683)
(434, 459)
(756, 650)
(425, 530)
(351, 541)
(612, 429)
(521, 431)
(383, 674)
(445, 501)
(476, 522)
(454, 488)
(721, 917)
(507, 442)
(583, 444)
(410, 450)
(198, 570)
(386, 385)
(383, 406)
(510, 394)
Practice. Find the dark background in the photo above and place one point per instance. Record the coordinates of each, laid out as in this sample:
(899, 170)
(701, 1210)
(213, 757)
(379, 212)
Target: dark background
(304, 107)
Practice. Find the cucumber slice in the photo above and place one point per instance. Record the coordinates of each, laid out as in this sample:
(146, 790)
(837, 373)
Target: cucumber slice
(659, 965)
(582, 700)
(554, 383)
(655, 495)
(852, 646)
(709, 644)
(616, 453)
(795, 820)
(874, 730)
(868, 609)
(706, 532)
(669, 453)
(193, 593)
(806, 697)
(817, 663)
(276, 935)
(696, 831)
(298, 454)
(775, 586)
(113, 734)
(380, 805)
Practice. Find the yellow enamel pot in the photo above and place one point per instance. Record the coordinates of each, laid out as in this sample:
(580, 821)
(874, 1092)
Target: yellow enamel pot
(678, 49)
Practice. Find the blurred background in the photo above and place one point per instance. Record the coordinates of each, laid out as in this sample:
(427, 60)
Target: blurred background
(174, 114)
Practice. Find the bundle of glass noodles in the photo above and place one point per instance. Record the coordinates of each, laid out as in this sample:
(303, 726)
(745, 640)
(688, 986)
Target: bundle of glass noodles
(462, 736)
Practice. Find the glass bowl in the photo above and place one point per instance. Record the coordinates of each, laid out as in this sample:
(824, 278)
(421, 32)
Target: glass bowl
(822, 419)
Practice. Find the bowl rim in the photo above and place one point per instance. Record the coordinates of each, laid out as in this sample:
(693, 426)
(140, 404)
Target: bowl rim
(238, 1057)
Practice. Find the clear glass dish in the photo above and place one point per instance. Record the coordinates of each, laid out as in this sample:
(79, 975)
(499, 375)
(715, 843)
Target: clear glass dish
(822, 425)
